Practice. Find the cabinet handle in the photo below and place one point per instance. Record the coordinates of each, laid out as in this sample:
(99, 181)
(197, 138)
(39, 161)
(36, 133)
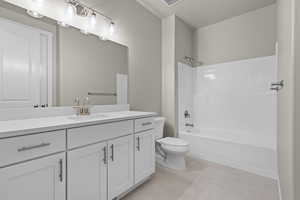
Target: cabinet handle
(105, 155)
(146, 123)
(34, 147)
(112, 152)
(60, 170)
(138, 144)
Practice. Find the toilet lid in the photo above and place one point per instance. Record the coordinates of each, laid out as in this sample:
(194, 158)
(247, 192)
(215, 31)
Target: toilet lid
(173, 141)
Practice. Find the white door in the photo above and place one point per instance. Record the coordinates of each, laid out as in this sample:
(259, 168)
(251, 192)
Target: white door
(144, 155)
(41, 179)
(120, 166)
(25, 59)
(87, 173)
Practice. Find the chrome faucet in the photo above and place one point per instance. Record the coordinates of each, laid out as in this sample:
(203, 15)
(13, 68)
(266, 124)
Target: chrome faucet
(189, 125)
(82, 109)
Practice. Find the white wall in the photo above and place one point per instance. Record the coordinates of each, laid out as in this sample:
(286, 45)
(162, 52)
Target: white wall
(247, 36)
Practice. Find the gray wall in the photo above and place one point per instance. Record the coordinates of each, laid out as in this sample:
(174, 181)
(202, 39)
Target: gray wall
(88, 64)
(247, 36)
(140, 31)
(168, 74)
(286, 99)
(177, 43)
(297, 100)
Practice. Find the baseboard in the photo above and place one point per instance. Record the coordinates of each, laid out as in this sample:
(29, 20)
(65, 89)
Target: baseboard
(261, 172)
(279, 189)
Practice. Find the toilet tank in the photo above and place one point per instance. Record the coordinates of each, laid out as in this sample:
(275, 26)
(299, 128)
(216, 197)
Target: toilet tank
(159, 127)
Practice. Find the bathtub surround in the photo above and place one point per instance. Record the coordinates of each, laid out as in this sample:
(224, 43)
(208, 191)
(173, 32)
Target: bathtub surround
(233, 112)
(238, 38)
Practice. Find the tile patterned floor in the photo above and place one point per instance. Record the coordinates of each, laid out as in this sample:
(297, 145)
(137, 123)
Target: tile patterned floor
(204, 180)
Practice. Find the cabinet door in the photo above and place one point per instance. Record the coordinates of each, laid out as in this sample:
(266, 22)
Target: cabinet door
(144, 155)
(120, 170)
(87, 173)
(41, 179)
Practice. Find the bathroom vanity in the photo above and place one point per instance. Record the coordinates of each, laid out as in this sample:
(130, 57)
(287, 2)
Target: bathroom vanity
(97, 157)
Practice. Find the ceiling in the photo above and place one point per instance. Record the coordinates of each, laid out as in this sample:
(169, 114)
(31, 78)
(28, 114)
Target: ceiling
(199, 13)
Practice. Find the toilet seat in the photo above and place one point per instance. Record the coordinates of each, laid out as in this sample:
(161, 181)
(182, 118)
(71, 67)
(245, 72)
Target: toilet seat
(173, 142)
(174, 145)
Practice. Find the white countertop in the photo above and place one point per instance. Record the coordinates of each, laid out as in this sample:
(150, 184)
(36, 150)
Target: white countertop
(25, 126)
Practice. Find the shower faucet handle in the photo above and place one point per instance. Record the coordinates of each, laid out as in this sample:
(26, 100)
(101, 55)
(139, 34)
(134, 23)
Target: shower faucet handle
(187, 114)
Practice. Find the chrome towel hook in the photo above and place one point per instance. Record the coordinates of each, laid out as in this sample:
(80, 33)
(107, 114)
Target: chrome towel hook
(277, 85)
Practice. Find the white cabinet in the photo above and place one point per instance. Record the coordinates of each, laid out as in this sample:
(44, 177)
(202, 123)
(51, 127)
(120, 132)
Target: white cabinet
(41, 179)
(87, 173)
(120, 166)
(144, 155)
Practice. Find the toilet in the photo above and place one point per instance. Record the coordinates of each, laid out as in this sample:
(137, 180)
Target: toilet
(170, 151)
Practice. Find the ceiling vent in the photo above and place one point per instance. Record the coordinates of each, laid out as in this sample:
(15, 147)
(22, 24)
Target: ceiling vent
(170, 2)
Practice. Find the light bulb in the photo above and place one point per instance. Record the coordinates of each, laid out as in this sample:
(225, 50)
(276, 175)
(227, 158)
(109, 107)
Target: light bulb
(93, 19)
(34, 14)
(70, 10)
(112, 28)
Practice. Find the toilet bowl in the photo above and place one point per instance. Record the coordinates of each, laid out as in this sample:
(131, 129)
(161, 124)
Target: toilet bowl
(170, 151)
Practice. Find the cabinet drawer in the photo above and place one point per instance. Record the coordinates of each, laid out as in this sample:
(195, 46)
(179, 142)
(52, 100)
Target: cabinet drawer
(22, 148)
(144, 124)
(92, 134)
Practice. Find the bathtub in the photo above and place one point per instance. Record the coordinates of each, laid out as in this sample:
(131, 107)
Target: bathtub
(234, 149)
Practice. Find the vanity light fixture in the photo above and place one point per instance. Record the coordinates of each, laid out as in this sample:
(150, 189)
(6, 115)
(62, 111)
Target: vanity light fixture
(69, 10)
(76, 7)
(93, 19)
(34, 14)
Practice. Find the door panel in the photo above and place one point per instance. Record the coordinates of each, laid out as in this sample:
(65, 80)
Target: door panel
(87, 173)
(42, 179)
(24, 61)
(144, 155)
(120, 170)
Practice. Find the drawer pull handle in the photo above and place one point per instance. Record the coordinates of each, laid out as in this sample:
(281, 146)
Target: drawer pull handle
(34, 147)
(60, 170)
(112, 152)
(105, 155)
(138, 144)
(146, 123)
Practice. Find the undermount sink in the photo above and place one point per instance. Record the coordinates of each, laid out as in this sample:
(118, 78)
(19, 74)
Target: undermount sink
(88, 117)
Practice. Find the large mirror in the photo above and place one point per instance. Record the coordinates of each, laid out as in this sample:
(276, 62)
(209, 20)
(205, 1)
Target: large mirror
(44, 64)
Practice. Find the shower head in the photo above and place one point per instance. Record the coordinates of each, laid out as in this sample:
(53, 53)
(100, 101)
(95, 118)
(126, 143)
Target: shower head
(191, 61)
